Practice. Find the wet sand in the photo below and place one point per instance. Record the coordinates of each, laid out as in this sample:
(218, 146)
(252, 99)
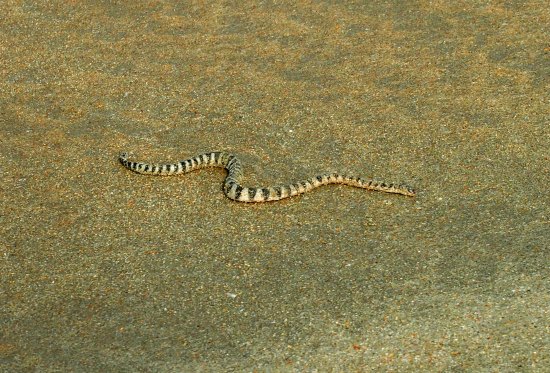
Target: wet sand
(103, 270)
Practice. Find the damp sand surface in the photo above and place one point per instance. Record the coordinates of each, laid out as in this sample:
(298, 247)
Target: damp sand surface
(104, 270)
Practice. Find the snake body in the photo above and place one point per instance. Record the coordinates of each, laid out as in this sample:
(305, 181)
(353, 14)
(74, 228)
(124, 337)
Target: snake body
(235, 191)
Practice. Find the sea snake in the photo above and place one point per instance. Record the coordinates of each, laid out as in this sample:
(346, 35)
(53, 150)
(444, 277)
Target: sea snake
(234, 190)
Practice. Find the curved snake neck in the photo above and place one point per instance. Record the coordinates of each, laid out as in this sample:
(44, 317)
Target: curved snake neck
(235, 191)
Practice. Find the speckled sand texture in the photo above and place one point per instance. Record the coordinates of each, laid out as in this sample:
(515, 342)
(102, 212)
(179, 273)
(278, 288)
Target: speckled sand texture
(103, 270)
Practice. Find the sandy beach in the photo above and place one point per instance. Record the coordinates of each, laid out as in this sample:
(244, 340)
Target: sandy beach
(105, 270)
